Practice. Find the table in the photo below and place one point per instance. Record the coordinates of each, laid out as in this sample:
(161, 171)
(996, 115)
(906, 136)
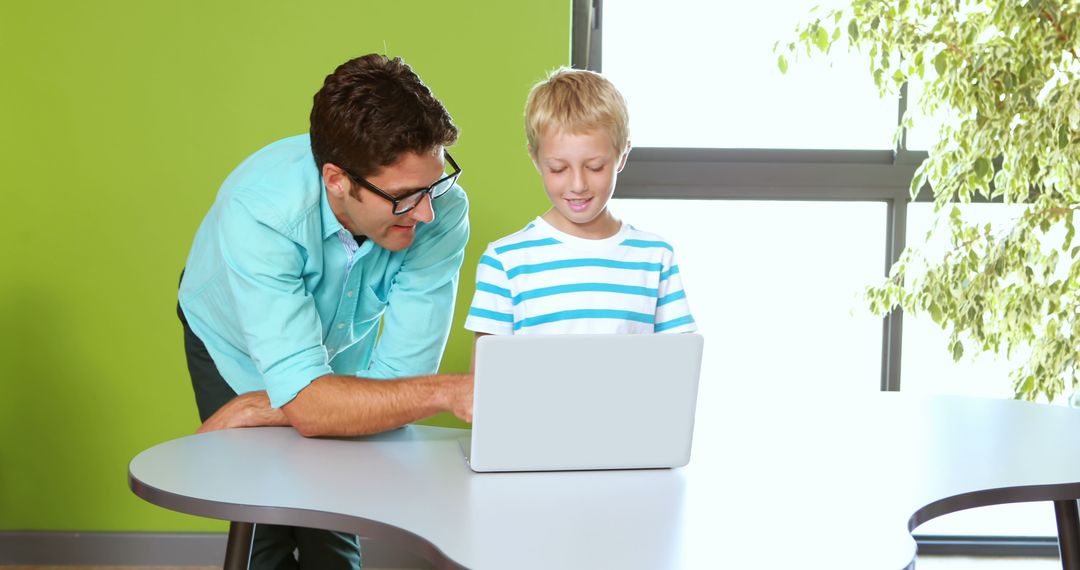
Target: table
(803, 482)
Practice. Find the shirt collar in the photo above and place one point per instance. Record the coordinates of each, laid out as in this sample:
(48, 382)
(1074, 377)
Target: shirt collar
(330, 223)
(332, 226)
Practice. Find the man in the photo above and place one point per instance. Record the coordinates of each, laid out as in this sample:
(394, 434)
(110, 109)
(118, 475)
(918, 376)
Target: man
(312, 242)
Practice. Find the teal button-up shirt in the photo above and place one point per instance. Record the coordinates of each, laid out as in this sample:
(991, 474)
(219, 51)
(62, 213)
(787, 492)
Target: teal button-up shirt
(280, 293)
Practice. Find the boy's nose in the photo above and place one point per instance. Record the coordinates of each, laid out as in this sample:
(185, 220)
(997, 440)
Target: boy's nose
(579, 183)
(424, 212)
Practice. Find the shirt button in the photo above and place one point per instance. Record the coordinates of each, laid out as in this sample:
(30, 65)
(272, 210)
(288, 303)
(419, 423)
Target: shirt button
(340, 326)
(349, 294)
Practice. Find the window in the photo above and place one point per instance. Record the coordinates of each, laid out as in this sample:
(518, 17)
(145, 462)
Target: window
(784, 196)
(769, 278)
(703, 74)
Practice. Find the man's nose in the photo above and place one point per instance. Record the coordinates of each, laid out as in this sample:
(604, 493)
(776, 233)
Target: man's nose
(424, 212)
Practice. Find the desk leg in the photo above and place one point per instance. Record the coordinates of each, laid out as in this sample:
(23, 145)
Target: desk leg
(238, 550)
(1068, 523)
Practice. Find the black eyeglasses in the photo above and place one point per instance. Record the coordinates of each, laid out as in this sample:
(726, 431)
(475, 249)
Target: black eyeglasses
(412, 199)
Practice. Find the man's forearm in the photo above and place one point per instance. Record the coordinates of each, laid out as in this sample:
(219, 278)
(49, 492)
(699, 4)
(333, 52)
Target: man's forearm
(347, 405)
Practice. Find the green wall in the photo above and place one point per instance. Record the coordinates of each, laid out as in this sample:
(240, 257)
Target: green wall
(118, 121)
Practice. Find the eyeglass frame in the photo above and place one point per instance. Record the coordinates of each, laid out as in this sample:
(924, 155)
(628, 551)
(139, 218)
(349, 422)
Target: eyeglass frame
(395, 201)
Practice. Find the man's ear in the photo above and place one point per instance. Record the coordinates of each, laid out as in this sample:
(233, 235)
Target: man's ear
(625, 155)
(336, 181)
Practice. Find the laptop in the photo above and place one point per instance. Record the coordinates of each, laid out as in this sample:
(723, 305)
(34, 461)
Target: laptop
(569, 402)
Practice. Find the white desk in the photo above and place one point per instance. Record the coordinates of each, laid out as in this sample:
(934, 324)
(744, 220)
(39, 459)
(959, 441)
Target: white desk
(768, 486)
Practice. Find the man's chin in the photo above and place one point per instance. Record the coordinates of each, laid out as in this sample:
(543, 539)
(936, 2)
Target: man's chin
(395, 242)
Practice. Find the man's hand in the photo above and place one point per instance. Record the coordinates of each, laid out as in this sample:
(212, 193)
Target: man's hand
(251, 409)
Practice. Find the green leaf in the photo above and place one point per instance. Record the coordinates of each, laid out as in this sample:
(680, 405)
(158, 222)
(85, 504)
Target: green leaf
(1028, 386)
(982, 167)
(940, 63)
(935, 312)
(917, 183)
(853, 31)
(781, 62)
(957, 351)
(821, 39)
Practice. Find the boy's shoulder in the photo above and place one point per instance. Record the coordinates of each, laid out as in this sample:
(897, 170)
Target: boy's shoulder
(529, 233)
(635, 236)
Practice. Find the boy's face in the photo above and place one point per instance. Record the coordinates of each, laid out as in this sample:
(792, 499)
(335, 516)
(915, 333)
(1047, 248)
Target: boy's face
(579, 172)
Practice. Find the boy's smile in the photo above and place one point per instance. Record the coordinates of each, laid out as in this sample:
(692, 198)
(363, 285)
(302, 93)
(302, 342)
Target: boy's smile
(579, 205)
(579, 172)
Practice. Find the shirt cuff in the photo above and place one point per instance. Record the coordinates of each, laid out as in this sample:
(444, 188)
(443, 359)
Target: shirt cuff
(285, 379)
(488, 326)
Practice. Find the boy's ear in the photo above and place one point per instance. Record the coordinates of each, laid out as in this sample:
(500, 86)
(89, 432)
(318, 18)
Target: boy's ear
(532, 156)
(334, 179)
(625, 155)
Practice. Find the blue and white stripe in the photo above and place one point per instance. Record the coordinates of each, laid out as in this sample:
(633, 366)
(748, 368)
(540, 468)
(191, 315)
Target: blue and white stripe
(542, 281)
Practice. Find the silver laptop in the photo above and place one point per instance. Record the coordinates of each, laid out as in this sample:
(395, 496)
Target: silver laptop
(565, 402)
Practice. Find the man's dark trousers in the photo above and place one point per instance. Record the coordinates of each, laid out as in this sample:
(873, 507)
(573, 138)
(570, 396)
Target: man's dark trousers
(273, 545)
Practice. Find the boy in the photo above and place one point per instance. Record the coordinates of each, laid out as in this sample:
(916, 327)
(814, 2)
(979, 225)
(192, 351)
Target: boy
(577, 268)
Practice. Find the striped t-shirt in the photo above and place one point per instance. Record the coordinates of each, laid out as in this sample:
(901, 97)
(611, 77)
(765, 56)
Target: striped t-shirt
(543, 281)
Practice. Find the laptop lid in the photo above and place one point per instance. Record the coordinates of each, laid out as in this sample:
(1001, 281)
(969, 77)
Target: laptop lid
(563, 402)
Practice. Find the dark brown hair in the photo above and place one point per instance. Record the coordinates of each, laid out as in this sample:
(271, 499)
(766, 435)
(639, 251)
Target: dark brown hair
(372, 109)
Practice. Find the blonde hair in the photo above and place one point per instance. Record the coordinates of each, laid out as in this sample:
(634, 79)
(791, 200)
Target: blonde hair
(576, 101)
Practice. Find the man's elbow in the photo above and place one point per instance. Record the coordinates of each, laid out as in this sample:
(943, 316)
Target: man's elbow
(303, 418)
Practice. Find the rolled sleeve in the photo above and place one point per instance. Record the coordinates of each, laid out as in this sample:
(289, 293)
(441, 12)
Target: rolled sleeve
(280, 326)
(420, 303)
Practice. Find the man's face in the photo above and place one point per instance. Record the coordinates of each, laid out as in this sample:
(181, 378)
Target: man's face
(365, 213)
